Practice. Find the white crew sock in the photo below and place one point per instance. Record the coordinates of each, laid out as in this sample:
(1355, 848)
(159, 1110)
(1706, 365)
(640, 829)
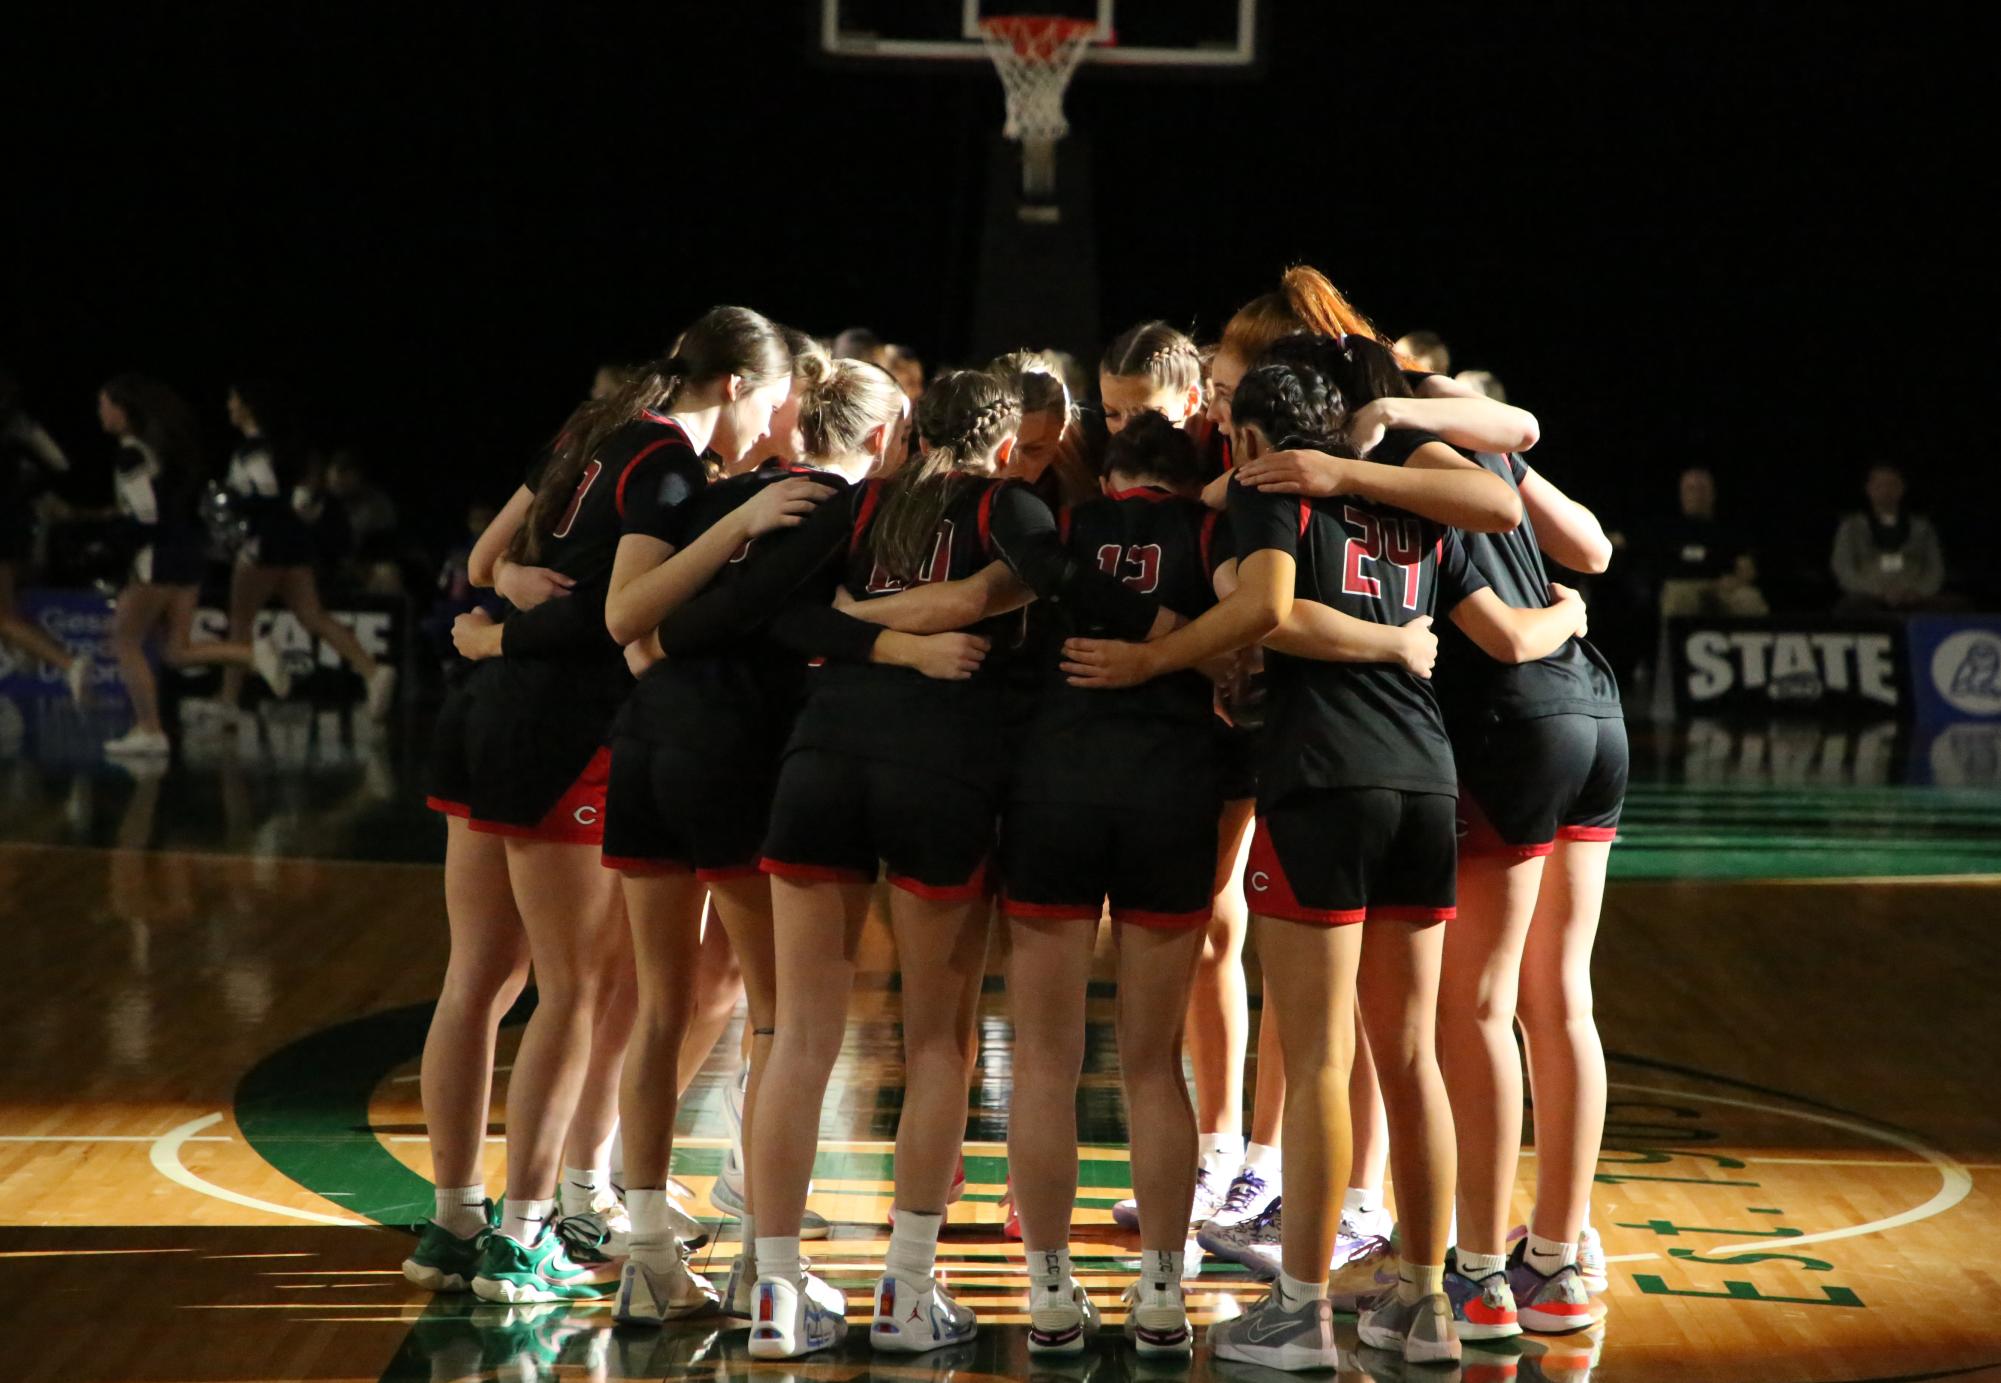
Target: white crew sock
(1416, 1281)
(1360, 1200)
(461, 1209)
(1222, 1152)
(648, 1207)
(748, 1233)
(1047, 1268)
(615, 1159)
(778, 1256)
(580, 1186)
(1548, 1256)
(1160, 1269)
(525, 1220)
(913, 1243)
(1264, 1159)
(1479, 1265)
(1293, 1293)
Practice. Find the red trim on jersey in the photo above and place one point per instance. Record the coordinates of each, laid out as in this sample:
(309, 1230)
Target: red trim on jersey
(727, 873)
(871, 497)
(1063, 523)
(1305, 515)
(1269, 891)
(447, 806)
(1152, 494)
(1587, 833)
(975, 887)
(577, 818)
(814, 873)
(1208, 531)
(627, 864)
(1418, 915)
(986, 522)
(1050, 912)
(618, 495)
(1162, 921)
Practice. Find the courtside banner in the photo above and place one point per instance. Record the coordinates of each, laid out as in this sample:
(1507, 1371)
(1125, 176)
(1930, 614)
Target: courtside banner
(1809, 664)
(1955, 668)
(318, 675)
(79, 620)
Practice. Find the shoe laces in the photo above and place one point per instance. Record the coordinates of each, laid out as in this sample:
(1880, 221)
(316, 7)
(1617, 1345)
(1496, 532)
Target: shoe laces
(1246, 1188)
(1371, 1246)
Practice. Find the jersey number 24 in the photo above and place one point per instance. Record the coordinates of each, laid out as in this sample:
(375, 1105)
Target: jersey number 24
(1394, 540)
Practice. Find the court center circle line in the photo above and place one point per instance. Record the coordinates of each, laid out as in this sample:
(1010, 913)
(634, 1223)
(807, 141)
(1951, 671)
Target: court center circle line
(166, 1157)
(1955, 1182)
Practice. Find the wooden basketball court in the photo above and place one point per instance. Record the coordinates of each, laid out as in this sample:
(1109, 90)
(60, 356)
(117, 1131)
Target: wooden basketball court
(211, 1144)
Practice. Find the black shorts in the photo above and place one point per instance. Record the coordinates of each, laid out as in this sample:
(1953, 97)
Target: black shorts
(1339, 855)
(836, 816)
(448, 760)
(526, 750)
(1525, 784)
(170, 564)
(672, 811)
(1238, 758)
(282, 540)
(1063, 860)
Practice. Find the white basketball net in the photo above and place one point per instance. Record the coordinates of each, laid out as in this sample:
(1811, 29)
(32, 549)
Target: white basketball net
(1036, 55)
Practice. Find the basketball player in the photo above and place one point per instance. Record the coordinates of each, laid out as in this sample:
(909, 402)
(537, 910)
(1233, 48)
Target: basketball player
(693, 768)
(535, 731)
(1355, 825)
(278, 558)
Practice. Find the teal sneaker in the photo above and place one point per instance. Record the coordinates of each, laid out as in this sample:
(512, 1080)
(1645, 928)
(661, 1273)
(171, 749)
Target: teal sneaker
(444, 1262)
(513, 1272)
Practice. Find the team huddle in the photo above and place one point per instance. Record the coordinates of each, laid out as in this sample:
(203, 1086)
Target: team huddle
(775, 635)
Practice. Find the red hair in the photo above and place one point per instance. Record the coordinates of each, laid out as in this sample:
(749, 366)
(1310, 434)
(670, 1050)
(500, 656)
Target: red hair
(1306, 300)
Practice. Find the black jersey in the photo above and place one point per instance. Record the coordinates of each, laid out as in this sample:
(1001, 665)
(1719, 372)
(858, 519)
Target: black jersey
(744, 684)
(1354, 725)
(1474, 689)
(643, 479)
(1154, 742)
(874, 711)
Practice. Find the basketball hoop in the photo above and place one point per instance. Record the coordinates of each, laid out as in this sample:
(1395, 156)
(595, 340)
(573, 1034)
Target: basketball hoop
(1036, 56)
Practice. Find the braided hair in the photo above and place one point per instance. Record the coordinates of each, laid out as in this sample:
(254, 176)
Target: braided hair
(964, 416)
(1163, 356)
(1292, 402)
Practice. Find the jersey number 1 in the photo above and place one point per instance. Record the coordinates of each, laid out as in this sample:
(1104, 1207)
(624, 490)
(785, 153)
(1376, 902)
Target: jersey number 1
(591, 470)
(1399, 541)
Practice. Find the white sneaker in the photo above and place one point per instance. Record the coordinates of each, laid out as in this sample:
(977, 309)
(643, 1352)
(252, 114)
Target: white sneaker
(1246, 1199)
(78, 680)
(789, 1319)
(1157, 1321)
(138, 743)
(270, 664)
(1210, 1192)
(916, 1315)
(657, 1285)
(726, 1195)
(1369, 1268)
(381, 692)
(743, 1281)
(1061, 1318)
(734, 1096)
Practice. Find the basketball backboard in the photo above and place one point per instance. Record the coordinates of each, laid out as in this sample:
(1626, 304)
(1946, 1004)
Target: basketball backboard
(1198, 37)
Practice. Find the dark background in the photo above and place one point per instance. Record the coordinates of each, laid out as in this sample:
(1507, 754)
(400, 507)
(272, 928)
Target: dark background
(1741, 234)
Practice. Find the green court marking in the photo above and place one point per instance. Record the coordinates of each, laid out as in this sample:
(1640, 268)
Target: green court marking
(1743, 1291)
(1668, 1229)
(1746, 1260)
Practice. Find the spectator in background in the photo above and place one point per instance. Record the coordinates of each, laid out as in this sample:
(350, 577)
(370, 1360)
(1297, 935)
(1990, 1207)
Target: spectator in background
(1427, 350)
(1705, 568)
(1486, 381)
(27, 459)
(370, 515)
(456, 593)
(609, 379)
(1886, 558)
(859, 343)
(903, 363)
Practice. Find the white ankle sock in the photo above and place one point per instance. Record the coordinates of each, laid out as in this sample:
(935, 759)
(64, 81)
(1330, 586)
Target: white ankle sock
(1160, 1269)
(461, 1209)
(525, 1220)
(1046, 1267)
(1416, 1281)
(749, 1230)
(913, 1243)
(1222, 1151)
(1479, 1265)
(1548, 1256)
(648, 1207)
(778, 1256)
(580, 1186)
(615, 1158)
(1263, 1158)
(1360, 1200)
(1293, 1293)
